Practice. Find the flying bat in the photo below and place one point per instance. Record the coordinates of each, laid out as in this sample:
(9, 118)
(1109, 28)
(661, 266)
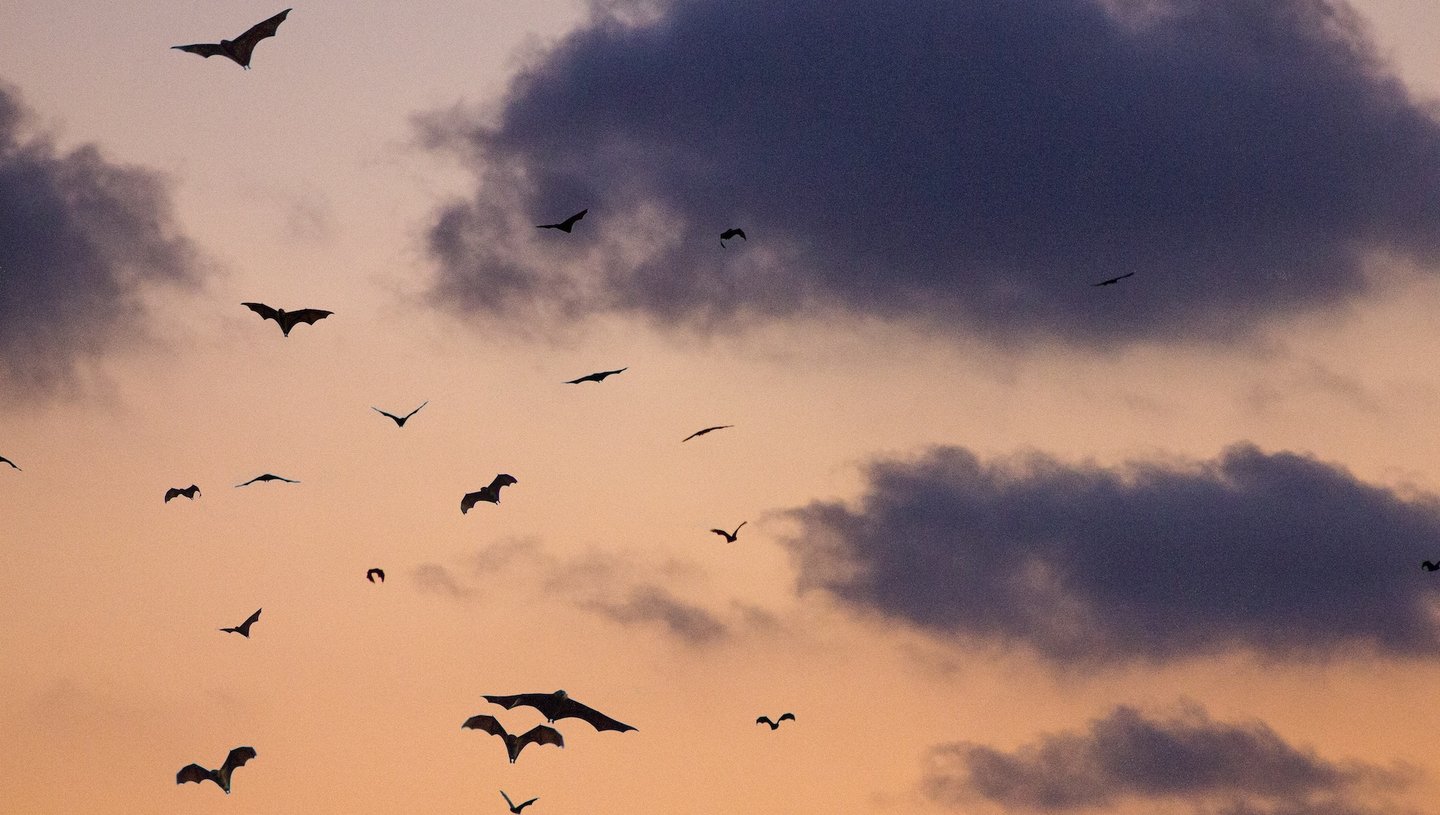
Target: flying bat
(732, 233)
(567, 224)
(400, 420)
(1112, 281)
(730, 536)
(1430, 567)
(703, 432)
(539, 734)
(8, 461)
(196, 773)
(559, 705)
(267, 477)
(240, 48)
(596, 377)
(514, 807)
(243, 629)
(288, 319)
(490, 493)
(775, 724)
(175, 492)
(371, 574)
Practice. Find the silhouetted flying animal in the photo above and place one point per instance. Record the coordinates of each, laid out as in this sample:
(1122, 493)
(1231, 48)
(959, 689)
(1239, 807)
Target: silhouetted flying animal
(597, 376)
(1112, 281)
(240, 48)
(1430, 567)
(539, 734)
(196, 773)
(267, 477)
(400, 420)
(4, 460)
(243, 629)
(514, 807)
(490, 493)
(567, 224)
(775, 724)
(559, 705)
(732, 233)
(703, 432)
(288, 319)
(175, 492)
(371, 574)
(729, 536)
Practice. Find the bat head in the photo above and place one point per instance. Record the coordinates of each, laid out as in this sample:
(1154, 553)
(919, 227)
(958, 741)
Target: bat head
(560, 694)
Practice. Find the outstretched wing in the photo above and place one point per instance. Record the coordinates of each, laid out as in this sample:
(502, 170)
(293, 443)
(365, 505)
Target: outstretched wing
(722, 533)
(172, 493)
(245, 43)
(309, 316)
(265, 312)
(469, 501)
(501, 480)
(765, 720)
(207, 50)
(535, 700)
(4, 460)
(489, 724)
(238, 756)
(784, 716)
(570, 222)
(540, 734)
(249, 621)
(192, 772)
(417, 410)
(390, 415)
(570, 709)
(519, 807)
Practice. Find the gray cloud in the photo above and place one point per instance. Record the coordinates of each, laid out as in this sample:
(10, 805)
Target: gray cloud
(1278, 553)
(80, 240)
(972, 164)
(650, 603)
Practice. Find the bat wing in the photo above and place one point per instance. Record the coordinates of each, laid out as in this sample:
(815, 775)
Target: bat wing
(192, 772)
(417, 410)
(489, 724)
(309, 315)
(238, 756)
(172, 493)
(265, 312)
(540, 734)
(570, 222)
(249, 621)
(501, 480)
(245, 43)
(585, 378)
(204, 49)
(389, 415)
(5, 460)
(784, 716)
(468, 502)
(571, 709)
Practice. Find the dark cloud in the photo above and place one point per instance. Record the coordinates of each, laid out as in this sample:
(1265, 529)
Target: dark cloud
(1279, 554)
(652, 604)
(1128, 756)
(80, 240)
(973, 164)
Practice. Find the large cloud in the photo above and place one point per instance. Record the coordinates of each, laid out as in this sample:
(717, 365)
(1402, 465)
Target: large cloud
(1278, 554)
(970, 163)
(80, 239)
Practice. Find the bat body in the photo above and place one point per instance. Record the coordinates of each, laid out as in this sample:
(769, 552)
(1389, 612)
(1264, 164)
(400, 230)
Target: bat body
(703, 432)
(371, 574)
(400, 420)
(240, 48)
(4, 460)
(243, 629)
(266, 477)
(774, 725)
(730, 536)
(596, 377)
(567, 224)
(1430, 567)
(288, 319)
(196, 773)
(490, 493)
(175, 492)
(1112, 281)
(539, 734)
(559, 705)
(514, 807)
(732, 233)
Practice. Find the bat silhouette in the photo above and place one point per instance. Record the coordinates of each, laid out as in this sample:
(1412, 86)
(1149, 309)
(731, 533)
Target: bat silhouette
(8, 461)
(539, 734)
(490, 493)
(1430, 567)
(596, 377)
(567, 224)
(196, 773)
(288, 319)
(514, 807)
(729, 536)
(267, 477)
(703, 432)
(732, 233)
(175, 492)
(400, 420)
(775, 724)
(243, 629)
(1112, 281)
(240, 48)
(371, 574)
(559, 705)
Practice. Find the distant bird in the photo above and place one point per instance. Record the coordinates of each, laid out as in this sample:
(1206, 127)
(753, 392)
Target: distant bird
(266, 477)
(1430, 567)
(597, 376)
(4, 460)
(371, 574)
(196, 773)
(732, 233)
(567, 224)
(490, 493)
(775, 724)
(1112, 281)
(539, 734)
(703, 432)
(175, 492)
(240, 48)
(729, 536)
(400, 420)
(288, 319)
(559, 705)
(243, 629)
(514, 807)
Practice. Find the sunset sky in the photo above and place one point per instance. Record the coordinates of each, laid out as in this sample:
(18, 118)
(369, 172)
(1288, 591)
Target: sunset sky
(1016, 544)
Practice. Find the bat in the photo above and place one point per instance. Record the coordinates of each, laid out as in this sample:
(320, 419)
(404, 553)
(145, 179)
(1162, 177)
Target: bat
(288, 319)
(514, 807)
(732, 233)
(400, 420)
(196, 773)
(703, 432)
(266, 477)
(729, 536)
(539, 734)
(490, 493)
(371, 574)
(596, 377)
(775, 724)
(240, 48)
(243, 629)
(1112, 281)
(1430, 567)
(559, 705)
(8, 461)
(567, 224)
(175, 492)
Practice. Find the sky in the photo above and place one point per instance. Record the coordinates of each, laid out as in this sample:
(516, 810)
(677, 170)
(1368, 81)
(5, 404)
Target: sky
(1015, 544)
